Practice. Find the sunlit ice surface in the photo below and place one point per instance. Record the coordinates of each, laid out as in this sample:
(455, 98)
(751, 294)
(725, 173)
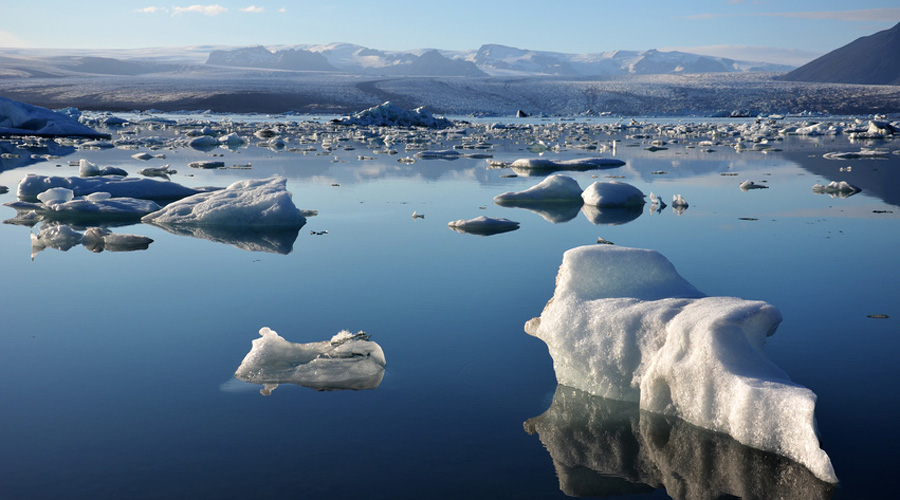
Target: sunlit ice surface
(118, 367)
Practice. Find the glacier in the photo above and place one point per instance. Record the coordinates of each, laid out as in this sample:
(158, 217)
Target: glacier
(347, 361)
(623, 324)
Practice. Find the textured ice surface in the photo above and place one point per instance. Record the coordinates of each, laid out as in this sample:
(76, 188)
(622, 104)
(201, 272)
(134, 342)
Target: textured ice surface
(601, 447)
(32, 185)
(623, 324)
(250, 203)
(483, 226)
(19, 118)
(389, 115)
(61, 204)
(347, 361)
(555, 188)
(612, 194)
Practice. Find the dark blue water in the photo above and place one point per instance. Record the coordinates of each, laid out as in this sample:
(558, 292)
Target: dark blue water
(117, 368)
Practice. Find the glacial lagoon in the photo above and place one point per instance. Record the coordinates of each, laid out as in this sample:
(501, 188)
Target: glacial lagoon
(118, 367)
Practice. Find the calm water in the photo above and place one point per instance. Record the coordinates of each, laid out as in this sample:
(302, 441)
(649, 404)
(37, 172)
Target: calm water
(117, 368)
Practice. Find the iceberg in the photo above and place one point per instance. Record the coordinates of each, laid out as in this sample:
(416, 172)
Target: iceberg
(347, 361)
(389, 115)
(88, 169)
(483, 226)
(748, 185)
(441, 154)
(553, 189)
(612, 194)
(148, 189)
(863, 153)
(602, 447)
(19, 118)
(841, 189)
(623, 324)
(261, 203)
(61, 204)
(541, 166)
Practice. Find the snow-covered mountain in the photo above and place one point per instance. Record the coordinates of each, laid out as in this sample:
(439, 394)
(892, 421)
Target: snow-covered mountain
(493, 60)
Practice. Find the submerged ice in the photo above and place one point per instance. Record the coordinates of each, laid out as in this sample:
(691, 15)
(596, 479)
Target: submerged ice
(623, 324)
(347, 361)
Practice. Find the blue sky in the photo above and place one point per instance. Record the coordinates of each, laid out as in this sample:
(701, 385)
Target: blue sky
(793, 31)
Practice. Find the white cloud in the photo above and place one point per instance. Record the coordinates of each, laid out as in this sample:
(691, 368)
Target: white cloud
(9, 40)
(282, 10)
(209, 10)
(254, 9)
(151, 10)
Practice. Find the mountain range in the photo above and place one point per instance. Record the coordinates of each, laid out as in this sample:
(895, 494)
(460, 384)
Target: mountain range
(488, 60)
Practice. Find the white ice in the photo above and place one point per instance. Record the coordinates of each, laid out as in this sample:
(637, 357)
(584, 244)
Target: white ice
(835, 187)
(258, 203)
(88, 169)
(61, 203)
(612, 194)
(347, 361)
(19, 118)
(441, 154)
(574, 164)
(555, 188)
(623, 324)
(483, 225)
(748, 185)
(853, 155)
(32, 185)
(389, 115)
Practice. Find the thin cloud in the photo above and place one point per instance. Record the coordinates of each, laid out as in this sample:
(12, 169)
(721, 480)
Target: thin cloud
(9, 40)
(253, 9)
(862, 15)
(209, 10)
(151, 10)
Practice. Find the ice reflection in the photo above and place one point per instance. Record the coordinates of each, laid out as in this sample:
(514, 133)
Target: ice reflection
(253, 239)
(16, 154)
(96, 239)
(612, 216)
(555, 212)
(602, 447)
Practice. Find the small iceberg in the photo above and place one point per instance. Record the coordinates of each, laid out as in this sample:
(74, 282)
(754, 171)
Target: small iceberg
(148, 189)
(542, 166)
(61, 204)
(612, 194)
(389, 115)
(88, 169)
(483, 226)
(553, 189)
(623, 324)
(840, 189)
(748, 185)
(18, 118)
(442, 154)
(259, 203)
(602, 447)
(163, 171)
(863, 153)
(347, 361)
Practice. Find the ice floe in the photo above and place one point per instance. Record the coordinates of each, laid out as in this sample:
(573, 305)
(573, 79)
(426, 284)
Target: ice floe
(483, 226)
(389, 115)
(602, 447)
(835, 188)
(612, 194)
(260, 203)
(623, 324)
(61, 204)
(863, 153)
(555, 188)
(88, 169)
(347, 361)
(542, 166)
(748, 185)
(32, 185)
(19, 118)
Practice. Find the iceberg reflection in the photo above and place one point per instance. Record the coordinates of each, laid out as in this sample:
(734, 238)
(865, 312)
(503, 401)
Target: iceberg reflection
(347, 361)
(253, 239)
(602, 447)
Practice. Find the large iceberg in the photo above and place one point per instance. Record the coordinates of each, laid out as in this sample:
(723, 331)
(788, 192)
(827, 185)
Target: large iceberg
(602, 447)
(347, 361)
(623, 324)
(19, 118)
(148, 189)
(389, 115)
(257, 203)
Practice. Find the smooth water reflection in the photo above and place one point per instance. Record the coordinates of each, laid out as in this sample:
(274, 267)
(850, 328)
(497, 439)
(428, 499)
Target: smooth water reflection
(601, 447)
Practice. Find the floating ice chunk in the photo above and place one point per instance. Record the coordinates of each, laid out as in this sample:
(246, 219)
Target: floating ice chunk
(679, 202)
(612, 194)
(19, 118)
(232, 140)
(32, 185)
(143, 156)
(863, 153)
(623, 324)
(836, 188)
(53, 196)
(61, 204)
(163, 171)
(389, 115)
(250, 203)
(442, 154)
(602, 447)
(555, 188)
(88, 169)
(748, 185)
(483, 226)
(525, 166)
(347, 361)
(203, 142)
